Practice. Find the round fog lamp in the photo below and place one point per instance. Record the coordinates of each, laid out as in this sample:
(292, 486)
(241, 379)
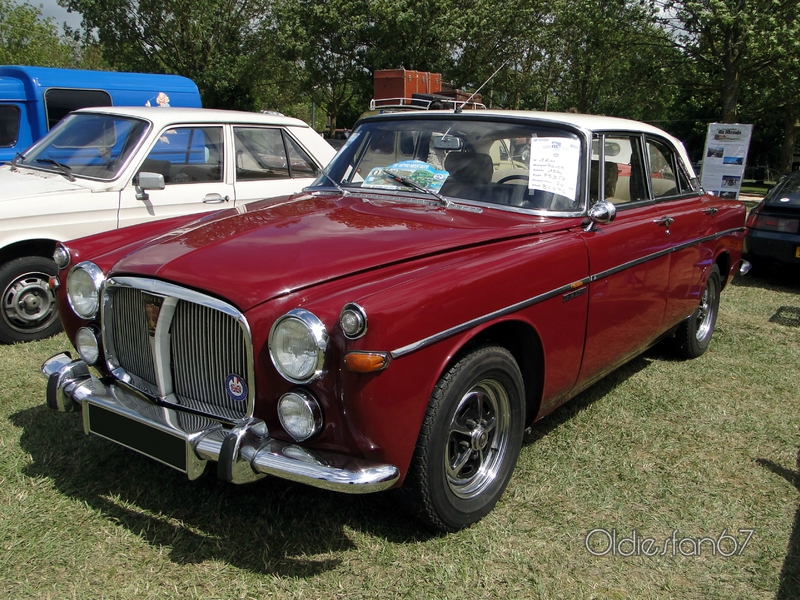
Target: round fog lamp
(61, 256)
(300, 414)
(353, 321)
(88, 345)
(83, 289)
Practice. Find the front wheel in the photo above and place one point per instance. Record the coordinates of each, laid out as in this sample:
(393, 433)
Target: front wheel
(469, 442)
(29, 305)
(694, 334)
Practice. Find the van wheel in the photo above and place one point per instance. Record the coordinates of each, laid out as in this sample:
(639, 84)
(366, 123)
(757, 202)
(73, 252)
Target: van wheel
(29, 305)
(469, 442)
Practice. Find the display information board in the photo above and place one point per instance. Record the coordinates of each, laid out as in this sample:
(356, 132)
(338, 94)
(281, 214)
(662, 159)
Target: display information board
(724, 158)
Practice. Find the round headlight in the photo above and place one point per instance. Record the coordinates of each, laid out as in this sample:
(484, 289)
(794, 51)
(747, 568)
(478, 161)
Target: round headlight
(300, 414)
(87, 343)
(297, 344)
(83, 289)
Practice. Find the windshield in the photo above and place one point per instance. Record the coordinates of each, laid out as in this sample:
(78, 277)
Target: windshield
(516, 164)
(87, 145)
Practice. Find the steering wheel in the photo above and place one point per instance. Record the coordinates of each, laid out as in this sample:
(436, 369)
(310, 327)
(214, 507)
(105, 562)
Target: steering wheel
(513, 177)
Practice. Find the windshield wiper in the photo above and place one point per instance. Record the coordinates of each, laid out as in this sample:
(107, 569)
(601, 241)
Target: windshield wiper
(63, 169)
(414, 185)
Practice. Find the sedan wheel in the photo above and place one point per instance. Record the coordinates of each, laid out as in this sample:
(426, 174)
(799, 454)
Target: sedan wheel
(694, 335)
(29, 308)
(469, 441)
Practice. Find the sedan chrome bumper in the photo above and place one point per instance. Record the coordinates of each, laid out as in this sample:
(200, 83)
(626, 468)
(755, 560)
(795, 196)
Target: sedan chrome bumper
(186, 441)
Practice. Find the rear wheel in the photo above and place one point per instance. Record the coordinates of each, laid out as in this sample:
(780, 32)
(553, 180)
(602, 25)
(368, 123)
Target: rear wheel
(29, 308)
(694, 334)
(469, 442)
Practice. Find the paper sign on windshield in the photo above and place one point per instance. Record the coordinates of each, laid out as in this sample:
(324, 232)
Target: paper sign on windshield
(554, 165)
(417, 171)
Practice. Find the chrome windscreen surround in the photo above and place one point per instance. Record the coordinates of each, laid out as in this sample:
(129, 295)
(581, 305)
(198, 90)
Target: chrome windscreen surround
(180, 346)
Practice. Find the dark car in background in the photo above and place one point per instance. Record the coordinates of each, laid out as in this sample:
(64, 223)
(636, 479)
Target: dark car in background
(773, 225)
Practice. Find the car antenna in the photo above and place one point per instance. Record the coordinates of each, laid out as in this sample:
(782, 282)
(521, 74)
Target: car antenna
(460, 107)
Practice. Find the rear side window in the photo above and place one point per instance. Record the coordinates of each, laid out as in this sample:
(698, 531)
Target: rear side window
(269, 153)
(9, 126)
(58, 102)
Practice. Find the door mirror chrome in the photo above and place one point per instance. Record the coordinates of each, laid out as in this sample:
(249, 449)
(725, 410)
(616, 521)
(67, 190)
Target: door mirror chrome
(602, 212)
(148, 181)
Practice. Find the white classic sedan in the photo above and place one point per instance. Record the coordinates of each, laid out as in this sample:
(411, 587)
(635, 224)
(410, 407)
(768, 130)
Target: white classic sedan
(105, 168)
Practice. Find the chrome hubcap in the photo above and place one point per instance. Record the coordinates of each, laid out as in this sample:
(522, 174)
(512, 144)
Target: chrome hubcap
(477, 439)
(28, 302)
(705, 312)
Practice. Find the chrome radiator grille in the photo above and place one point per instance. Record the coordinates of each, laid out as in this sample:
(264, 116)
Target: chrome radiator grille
(183, 347)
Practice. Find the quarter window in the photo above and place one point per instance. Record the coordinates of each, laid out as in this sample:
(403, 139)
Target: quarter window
(9, 126)
(268, 153)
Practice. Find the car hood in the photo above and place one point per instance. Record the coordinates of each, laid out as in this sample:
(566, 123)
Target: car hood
(261, 251)
(21, 183)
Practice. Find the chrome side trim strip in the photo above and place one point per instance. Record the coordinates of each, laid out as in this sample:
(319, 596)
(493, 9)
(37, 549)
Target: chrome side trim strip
(437, 337)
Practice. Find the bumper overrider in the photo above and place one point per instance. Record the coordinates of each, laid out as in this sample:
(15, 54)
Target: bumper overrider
(187, 442)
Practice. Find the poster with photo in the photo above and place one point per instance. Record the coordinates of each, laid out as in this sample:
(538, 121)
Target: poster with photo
(724, 158)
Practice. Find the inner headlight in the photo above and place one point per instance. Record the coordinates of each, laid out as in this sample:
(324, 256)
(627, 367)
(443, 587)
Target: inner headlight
(83, 289)
(87, 343)
(300, 414)
(297, 344)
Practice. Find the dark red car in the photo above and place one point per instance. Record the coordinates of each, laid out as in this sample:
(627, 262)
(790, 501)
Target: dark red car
(404, 319)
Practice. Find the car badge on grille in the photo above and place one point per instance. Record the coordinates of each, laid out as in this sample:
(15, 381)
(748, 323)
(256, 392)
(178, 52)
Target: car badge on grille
(236, 388)
(152, 308)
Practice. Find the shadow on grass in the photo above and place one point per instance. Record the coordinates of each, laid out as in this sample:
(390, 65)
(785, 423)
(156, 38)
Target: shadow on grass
(271, 526)
(597, 391)
(789, 585)
(771, 277)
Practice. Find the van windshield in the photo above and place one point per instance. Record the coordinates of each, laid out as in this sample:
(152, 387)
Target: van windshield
(95, 146)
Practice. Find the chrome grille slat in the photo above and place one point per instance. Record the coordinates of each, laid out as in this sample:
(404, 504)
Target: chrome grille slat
(207, 342)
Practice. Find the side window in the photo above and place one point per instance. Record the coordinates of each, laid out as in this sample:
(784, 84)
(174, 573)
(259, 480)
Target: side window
(58, 103)
(9, 126)
(187, 155)
(260, 154)
(300, 162)
(663, 169)
(623, 170)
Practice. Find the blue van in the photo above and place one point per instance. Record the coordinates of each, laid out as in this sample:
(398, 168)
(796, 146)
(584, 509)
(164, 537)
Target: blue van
(34, 99)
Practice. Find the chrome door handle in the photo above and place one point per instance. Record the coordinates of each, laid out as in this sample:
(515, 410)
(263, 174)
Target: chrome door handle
(710, 211)
(666, 221)
(215, 199)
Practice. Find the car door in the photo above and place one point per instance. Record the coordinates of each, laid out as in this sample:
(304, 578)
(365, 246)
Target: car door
(628, 258)
(191, 158)
(269, 163)
(685, 220)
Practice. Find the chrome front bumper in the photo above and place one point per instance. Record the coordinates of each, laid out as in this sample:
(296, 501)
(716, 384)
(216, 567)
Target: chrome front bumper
(187, 442)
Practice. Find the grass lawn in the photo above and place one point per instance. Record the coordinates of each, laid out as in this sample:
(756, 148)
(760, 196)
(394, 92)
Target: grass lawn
(678, 453)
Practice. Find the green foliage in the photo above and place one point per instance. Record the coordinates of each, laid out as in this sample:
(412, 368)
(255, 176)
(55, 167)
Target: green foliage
(27, 38)
(220, 44)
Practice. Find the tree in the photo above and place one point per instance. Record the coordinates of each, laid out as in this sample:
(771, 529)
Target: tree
(327, 45)
(729, 40)
(223, 45)
(27, 38)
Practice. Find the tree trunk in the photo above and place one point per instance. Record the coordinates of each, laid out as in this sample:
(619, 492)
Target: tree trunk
(791, 126)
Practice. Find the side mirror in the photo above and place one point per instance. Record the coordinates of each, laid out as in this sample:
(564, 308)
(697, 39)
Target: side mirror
(148, 181)
(602, 212)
